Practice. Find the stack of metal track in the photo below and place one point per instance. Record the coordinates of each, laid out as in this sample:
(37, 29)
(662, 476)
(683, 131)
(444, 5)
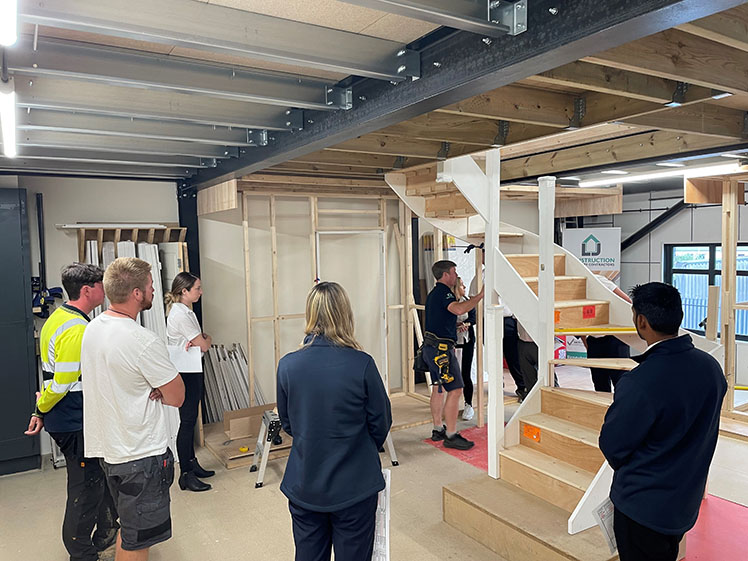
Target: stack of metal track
(227, 382)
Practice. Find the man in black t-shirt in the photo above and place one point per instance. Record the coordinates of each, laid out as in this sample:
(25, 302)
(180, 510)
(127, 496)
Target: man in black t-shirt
(442, 310)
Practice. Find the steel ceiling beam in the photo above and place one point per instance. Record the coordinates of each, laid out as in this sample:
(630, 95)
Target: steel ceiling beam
(105, 125)
(208, 27)
(73, 155)
(66, 59)
(123, 145)
(104, 99)
(486, 17)
(22, 165)
(465, 66)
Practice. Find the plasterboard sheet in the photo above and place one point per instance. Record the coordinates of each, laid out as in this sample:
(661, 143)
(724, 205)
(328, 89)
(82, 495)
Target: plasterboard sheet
(293, 227)
(352, 260)
(348, 221)
(325, 203)
(394, 326)
(263, 357)
(260, 256)
(291, 335)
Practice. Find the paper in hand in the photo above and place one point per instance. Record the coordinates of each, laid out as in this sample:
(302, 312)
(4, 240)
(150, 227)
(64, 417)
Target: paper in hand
(189, 360)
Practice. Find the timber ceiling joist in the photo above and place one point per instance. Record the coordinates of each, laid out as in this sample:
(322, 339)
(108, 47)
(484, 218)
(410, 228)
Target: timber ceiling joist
(203, 92)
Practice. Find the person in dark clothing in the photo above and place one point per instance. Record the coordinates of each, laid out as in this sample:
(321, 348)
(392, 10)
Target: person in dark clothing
(510, 344)
(333, 403)
(59, 409)
(466, 347)
(438, 351)
(661, 431)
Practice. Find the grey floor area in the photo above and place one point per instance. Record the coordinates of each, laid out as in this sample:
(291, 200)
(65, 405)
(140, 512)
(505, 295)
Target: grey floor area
(234, 521)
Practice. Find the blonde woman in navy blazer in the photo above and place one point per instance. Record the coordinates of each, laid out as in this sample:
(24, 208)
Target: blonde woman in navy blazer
(331, 399)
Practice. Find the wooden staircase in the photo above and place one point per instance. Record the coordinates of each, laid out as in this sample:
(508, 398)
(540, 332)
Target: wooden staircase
(524, 515)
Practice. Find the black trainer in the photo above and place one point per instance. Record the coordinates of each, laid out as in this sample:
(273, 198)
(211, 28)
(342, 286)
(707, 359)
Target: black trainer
(458, 442)
(437, 435)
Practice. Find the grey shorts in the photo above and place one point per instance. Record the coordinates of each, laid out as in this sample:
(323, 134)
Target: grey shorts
(454, 378)
(140, 490)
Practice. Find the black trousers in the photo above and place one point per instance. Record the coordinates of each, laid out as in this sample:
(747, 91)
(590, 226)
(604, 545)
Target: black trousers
(89, 503)
(528, 362)
(468, 351)
(606, 347)
(350, 531)
(193, 394)
(639, 543)
(511, 351)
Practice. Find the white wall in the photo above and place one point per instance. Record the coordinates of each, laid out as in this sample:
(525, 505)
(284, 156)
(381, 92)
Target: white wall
(71, 200)
(222, 271)
(642, 262)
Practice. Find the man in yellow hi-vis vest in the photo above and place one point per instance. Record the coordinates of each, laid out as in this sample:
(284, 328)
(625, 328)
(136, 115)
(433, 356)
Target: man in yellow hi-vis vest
(59, 409)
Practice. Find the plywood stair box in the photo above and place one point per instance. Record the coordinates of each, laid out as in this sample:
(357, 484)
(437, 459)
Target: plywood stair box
(548, 472)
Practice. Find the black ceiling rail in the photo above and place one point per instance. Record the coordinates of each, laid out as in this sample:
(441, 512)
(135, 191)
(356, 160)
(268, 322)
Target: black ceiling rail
(654, 224)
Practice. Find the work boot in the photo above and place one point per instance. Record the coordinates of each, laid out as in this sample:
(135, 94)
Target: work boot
(458, 442)
(437, 435)
(195, 468)
(189, 480)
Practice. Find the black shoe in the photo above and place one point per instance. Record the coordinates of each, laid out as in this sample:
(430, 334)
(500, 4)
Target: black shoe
(458, 442)
(521, 394)
(195, 468)
(437, 435)
(105, 539)
(189, 480)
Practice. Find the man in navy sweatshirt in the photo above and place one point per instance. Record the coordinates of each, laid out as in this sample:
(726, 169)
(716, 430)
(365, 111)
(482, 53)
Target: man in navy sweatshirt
(660, 433)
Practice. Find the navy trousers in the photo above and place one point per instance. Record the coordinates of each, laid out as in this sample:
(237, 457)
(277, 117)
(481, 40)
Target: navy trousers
(350, 531)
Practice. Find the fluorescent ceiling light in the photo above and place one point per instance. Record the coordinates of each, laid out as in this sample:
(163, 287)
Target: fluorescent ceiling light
(8, 117)
(572, 178)
(738, 156)
(707, 171)
(615, 172)
(671, 165)
(8, 22)
(716, 94)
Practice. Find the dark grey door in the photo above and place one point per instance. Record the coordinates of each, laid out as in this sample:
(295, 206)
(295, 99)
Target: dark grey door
(18, 377)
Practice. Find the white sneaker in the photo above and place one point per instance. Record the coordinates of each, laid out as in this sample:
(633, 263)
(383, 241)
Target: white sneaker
(468, 413)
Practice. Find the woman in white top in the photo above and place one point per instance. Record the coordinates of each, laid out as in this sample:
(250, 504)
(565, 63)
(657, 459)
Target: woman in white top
(183, 329)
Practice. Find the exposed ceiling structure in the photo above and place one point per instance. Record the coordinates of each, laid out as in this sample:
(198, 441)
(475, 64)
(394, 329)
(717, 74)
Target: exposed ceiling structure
(205, 91)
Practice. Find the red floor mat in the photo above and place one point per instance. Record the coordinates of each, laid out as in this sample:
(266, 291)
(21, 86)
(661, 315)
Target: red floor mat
(719, 534)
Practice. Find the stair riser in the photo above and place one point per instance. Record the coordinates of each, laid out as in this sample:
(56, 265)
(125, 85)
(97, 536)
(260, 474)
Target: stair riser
(501, 537)
(590, 415)
(565, 289)
(574, 317)
(527, 265)
(583, 455)
(540, 484)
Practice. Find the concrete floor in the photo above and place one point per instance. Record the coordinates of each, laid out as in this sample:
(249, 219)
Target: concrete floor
(235, 521)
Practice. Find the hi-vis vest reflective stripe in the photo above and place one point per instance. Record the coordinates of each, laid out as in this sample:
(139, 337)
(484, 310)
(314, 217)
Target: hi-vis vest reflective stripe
(60, 349)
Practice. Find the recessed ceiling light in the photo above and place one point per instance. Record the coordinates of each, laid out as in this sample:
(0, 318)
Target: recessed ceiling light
(615, 172)
(671, 165)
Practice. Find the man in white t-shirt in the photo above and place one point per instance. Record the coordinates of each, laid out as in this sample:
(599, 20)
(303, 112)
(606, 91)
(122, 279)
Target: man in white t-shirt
(128, 380)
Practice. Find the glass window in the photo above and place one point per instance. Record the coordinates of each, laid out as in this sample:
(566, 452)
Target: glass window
(694, 290)
(691, 257)
(741, 261)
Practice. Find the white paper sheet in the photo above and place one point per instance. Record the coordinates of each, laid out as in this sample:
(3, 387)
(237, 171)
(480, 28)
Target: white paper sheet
(185, 360)
(382, 533)
(603, 515)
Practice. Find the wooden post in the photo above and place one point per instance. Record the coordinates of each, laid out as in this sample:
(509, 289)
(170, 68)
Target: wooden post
(494, 317)
(712, 316)
(438, 245)
(546, 281)
(399, 227)
(248, 294)
(274, 248)
(313, 236)
(479, 391)
(409, 299)
(729, 256)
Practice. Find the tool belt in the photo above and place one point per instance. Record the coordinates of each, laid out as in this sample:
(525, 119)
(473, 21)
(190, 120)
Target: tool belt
(437, 342)
(441, 360)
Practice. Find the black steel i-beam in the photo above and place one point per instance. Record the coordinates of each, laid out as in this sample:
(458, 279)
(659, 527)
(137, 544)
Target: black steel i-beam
(653, 225)
(466, 65)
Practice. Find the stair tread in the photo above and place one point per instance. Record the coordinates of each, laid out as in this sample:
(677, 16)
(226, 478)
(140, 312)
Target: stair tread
(553, 467)
(557, 277)
(530, 515)
(598, 398)
(602, 329)
(567, 428)
(577, 303)
(609, 363)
